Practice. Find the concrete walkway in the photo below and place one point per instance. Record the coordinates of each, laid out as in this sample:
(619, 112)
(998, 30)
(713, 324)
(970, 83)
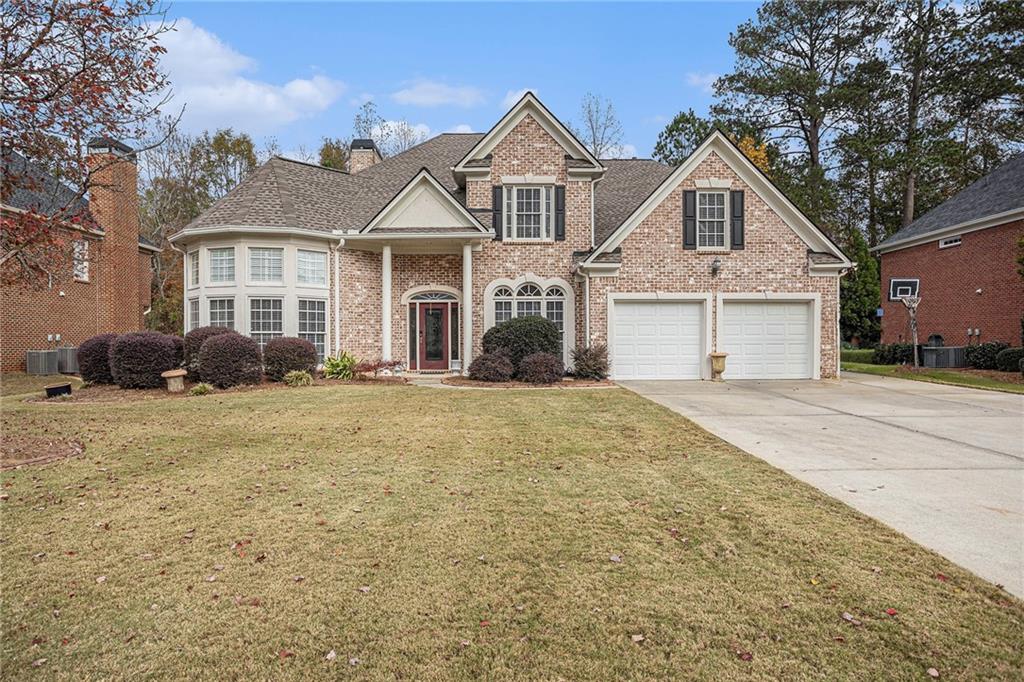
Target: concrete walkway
(942, 464)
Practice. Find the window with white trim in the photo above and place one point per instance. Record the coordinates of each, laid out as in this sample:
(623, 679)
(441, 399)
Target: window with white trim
(222, 265)
(266, 264)
(903, 288)
(222, 312)
(710, 220)
(311, 267)
(529, 212)
(502, 305)
(950, 241)
(193, 314)
(313, 324)
(266, 319)
(80, 260)
(193, 268)
(529, 299)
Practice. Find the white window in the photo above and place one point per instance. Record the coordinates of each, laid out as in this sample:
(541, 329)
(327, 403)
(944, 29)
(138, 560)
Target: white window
(554, 310)
(193, 314)
(266, 319)
(265, 264)
(222, 265)
(711, 220)
(949, 241)
(903, 288)
(502, 305)
(80, 260)
(529, 212)
(530, 299)
(222, 312)
(193, 269)
(311, 267)
(313, 323)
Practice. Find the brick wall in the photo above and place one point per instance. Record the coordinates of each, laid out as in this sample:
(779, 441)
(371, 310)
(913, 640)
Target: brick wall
(360, 303)
(949, 281)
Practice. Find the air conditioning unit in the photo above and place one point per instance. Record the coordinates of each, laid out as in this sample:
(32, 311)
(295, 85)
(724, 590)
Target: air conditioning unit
(41, 362)
(944, 356)
(67, 360)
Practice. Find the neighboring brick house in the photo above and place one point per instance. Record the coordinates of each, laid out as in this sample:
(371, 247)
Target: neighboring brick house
(106, 284)
(414, 257)
(961, 259)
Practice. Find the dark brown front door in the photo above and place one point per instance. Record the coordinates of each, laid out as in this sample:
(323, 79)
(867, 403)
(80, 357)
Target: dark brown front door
(433, 331)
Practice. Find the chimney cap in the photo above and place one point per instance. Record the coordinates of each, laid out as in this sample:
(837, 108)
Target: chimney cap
(100, 144)
(364, 143)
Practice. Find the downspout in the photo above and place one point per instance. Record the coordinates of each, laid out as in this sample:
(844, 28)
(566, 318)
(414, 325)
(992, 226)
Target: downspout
(337, 299)
(586, 309)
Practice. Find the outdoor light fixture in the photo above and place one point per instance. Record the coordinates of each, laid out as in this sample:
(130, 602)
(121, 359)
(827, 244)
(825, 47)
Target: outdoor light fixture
(716, 265)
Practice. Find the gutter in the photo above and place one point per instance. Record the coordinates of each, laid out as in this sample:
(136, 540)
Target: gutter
(983, 223)
(254, 229)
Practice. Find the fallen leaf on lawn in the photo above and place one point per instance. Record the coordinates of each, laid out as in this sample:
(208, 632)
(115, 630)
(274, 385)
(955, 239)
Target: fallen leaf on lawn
(102, 579)
(941, 578)
(637, 638)
(615, 558)
(815, 581)
(785, 605)
(464, 643)
(485, 623)
(364, 589)
(284, 653)
(261, 558)
(211, 578)
(839, 638)
(848, 617)
(932, 672)
(891, 612)
(744, 655)
(876, 569)
(39, 661)
(353, 661)
(218, 567)
(298, 578)
(331, 655)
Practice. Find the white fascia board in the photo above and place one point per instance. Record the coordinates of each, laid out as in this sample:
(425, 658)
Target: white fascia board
(967, 226)
(188, 233)
(411, 234)
(424, 176)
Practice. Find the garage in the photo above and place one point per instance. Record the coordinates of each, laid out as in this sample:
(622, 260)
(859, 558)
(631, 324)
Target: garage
(657, 339)
(767, 339)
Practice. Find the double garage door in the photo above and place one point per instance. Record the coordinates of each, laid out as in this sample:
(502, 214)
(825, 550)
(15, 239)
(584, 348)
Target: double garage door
(665, 339)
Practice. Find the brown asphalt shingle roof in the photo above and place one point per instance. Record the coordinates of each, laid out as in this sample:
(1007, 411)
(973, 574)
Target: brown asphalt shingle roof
(625, 185)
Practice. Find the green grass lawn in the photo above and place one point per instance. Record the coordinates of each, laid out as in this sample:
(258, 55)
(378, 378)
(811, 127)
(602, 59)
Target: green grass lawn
(17, 383)
(938, 376)
(430, 534)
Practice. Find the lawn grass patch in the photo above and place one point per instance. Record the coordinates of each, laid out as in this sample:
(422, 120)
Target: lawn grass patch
(20, 383)
(1009, 382)
(440, 534)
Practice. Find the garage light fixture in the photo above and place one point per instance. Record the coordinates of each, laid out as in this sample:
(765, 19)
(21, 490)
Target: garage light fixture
(716, 265)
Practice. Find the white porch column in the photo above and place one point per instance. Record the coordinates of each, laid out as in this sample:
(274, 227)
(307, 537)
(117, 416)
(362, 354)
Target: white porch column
(467, 306)
(385, 302)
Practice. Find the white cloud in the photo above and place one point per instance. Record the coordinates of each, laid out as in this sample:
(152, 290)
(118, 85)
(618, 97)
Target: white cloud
(360, 99)
(461, 128)
(428, 93)
(207, 78)
(513, 96)
(704, 81)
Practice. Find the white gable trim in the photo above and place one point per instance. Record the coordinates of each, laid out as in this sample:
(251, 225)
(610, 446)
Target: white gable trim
(529, 105)
(750, 174)
(420, 182)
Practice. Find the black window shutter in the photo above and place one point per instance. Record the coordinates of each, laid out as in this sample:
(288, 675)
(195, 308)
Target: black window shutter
(559, 213)
(496, 212)
(736, 218)
(689, 219)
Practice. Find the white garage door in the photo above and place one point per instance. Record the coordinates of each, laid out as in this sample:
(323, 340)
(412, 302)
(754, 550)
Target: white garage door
(657, 340)
(766, 340)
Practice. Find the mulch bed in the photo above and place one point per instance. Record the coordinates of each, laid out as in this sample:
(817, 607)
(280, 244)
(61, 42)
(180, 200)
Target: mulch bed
(466, 382)
(17, 451)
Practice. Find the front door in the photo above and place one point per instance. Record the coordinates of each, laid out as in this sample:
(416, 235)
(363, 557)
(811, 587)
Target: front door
(433, 332)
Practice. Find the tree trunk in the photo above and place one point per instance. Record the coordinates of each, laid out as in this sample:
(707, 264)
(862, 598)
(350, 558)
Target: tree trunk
(914, 97)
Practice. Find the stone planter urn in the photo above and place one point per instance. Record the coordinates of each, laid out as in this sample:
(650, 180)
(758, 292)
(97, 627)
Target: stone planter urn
(717, 365)
(175, 380)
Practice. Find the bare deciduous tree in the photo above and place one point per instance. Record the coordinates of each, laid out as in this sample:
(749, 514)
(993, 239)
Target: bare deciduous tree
(599, 128)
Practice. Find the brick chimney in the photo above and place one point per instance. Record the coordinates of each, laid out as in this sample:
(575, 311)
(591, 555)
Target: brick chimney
(362, 154)
(114, 204)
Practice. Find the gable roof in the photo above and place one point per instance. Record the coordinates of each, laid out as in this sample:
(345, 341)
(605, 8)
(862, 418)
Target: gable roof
(753, 176)
(454, 210)
(998, 196)
(625, 185)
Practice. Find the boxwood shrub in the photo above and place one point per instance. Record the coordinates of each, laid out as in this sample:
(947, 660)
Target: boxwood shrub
(491, 367)
(522, 336)
(1008, 359)
(288, 354)
(983, 355)
(94, 359)
(137, 359)
(857, 355)
(541, 368)
(591, 362)
(893, 354)
(194, 341)
(230, 360)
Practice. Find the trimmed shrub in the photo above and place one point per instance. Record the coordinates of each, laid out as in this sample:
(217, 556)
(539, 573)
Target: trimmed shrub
(591, 362)
(522, 336)
(491, 367)
(375, 367)
(893, 354)
(229, 360)
(1022, 366)
(541, 368)
(983, 355)
(201, 389)
(137, 359)
(288, 354)
(1008, 359)
(194, 341)
(94, 359)
(298, 377)
(858, 355)
(341, 367)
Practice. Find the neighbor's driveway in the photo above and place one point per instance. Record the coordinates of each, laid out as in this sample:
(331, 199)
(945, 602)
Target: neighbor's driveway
(942, 464)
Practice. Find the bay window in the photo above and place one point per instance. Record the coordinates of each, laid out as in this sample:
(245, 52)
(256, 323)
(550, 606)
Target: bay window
(266, 319)
(266, 264)
(313, 324)
(311, 267)
(222, 265)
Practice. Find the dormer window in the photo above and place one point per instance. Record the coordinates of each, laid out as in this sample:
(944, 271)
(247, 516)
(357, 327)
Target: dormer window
(529, 212)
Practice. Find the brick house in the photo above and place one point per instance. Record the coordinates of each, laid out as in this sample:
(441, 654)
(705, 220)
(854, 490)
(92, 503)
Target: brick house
(106, 284)
(960, 258)
(414, 257)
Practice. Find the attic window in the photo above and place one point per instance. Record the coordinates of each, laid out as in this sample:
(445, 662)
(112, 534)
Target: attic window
(949, 241)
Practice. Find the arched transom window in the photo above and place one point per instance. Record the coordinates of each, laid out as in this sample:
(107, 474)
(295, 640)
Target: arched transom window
(530, 299)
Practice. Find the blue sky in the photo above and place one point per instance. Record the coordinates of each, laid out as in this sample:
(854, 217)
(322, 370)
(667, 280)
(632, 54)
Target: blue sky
(298, 72)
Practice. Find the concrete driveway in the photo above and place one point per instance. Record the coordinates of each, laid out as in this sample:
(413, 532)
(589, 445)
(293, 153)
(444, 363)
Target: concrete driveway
(942, 464)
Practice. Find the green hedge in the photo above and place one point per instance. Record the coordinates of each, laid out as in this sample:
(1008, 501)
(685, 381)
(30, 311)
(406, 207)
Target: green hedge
(857, 355)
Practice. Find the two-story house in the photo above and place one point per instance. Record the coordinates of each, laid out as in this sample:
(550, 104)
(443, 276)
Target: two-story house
(414, 257)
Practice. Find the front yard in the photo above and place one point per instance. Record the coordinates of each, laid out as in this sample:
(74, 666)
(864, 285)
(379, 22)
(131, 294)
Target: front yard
(393, 531)
(1010, 382)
